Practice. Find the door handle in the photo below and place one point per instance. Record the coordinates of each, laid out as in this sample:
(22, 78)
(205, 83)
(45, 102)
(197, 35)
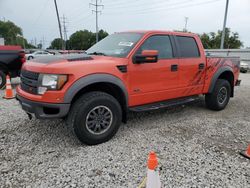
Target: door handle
(201, 66)
(174, 68)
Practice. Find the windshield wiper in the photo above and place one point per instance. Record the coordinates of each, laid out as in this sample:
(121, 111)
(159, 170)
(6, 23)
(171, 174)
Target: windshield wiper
(97, 53)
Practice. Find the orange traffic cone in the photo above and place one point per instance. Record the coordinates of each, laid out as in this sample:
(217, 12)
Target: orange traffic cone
(8, 91)
(153, 178)
(246, 153)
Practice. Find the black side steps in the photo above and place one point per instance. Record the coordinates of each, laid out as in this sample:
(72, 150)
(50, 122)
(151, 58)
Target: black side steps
(164, 104)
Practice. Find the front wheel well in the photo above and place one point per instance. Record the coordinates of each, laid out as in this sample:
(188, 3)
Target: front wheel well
(109, 88)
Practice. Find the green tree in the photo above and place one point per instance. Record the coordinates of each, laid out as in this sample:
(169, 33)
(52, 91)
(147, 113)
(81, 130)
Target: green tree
(212, 40)
(12, 34)
(21, 41)
(84, 39)
(56, 44)
(9, 31)
(102, 34)
(80, 40)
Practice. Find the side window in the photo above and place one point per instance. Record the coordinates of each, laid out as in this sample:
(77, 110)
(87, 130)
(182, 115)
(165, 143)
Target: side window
(160, 43)
(188, 47)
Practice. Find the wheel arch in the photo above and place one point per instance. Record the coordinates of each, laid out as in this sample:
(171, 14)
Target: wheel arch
(99, 82)
(225, 73)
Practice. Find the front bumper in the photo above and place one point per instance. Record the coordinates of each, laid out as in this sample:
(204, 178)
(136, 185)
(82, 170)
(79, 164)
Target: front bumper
(43, 110)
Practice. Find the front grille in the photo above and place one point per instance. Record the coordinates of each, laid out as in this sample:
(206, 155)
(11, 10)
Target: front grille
(29, 81)
(31, 75)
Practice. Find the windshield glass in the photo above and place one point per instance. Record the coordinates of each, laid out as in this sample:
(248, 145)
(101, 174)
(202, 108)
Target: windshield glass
(116, 45)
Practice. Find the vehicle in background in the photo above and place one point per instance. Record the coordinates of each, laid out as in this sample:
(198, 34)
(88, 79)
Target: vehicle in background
(244, 67)
(37, 54)
(129, 71)
(71, 51)
(11, 61)
(29, 51)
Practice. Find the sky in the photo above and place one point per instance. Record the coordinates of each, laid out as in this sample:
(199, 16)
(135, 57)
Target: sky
(38, 18)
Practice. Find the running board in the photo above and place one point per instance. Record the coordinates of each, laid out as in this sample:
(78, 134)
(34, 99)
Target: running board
(163, 104)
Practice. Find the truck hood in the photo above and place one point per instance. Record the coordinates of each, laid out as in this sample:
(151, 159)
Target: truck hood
(69, 64)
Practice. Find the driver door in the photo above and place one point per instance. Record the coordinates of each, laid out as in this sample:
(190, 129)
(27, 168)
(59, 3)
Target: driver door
(153, 82)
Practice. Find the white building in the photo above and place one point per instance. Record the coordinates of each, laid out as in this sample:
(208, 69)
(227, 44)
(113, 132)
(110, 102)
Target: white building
(1, 41)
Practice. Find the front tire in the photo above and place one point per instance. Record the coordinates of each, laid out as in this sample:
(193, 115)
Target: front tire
(95, 117)
(30, 57)
(2, 79)
(219, 98)
(243, 71)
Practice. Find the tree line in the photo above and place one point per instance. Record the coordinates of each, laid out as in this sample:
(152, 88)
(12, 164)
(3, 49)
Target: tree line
(212, 40)
(84, 39)
(13, 35)
(80, 40)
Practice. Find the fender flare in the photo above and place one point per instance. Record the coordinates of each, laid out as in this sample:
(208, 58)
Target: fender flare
(92, 79)
(216, 76)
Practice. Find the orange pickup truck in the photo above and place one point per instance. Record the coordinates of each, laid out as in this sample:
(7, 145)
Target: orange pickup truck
(127, 71)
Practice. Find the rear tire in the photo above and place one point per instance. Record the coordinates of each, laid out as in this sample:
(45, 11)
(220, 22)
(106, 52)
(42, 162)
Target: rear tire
(219, 98)
(2, 79)
(95, 117)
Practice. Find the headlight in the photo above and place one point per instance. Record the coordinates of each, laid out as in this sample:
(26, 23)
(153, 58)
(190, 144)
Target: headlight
(51, 82)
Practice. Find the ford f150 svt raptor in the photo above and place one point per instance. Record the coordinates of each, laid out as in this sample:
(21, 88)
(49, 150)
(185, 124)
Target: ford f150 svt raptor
(127, 71)
(11, 61)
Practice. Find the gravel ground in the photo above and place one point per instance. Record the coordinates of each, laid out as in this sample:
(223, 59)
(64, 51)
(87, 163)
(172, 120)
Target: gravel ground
(196, 148)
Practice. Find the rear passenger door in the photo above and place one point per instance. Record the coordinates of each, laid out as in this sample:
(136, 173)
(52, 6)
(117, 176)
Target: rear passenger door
(191, 65)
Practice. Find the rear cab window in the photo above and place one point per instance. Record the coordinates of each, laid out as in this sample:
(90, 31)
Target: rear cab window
(188, 47)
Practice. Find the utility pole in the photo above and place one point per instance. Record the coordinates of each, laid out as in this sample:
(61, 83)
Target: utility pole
(186, 21)
(43, 44)
(224, 26)
(23, 42)
(64, 30)
(59, 24)
(96, 11)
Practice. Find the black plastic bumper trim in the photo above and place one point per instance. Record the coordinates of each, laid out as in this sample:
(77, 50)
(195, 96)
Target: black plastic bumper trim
(37, 108)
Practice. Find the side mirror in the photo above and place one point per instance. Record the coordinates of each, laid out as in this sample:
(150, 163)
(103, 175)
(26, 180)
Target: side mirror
(147, 56)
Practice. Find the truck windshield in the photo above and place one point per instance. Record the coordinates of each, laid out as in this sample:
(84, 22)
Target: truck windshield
(116, 45)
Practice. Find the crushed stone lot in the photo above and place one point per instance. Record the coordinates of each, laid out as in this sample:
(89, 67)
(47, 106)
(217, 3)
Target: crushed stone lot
(196, 148)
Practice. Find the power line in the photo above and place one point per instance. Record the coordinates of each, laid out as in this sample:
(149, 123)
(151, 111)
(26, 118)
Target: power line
(79, 11)
(148, 5)
(40, 14)
(96, 11)
(136, 4)
(81, 19)
(136, 12)
(115, 3)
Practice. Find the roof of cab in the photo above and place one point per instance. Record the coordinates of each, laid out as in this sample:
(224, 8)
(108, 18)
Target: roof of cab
(160, 31)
